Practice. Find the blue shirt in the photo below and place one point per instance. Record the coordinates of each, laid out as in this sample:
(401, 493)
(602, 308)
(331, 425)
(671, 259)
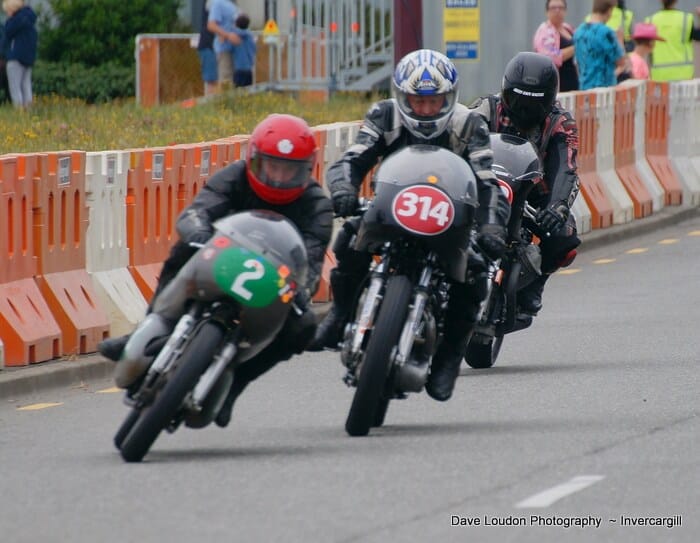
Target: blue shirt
(244, 53)
(597, 50)
(224, 13)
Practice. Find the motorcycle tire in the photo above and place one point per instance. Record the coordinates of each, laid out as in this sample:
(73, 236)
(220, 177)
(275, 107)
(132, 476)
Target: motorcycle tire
(194, 360)
(377, 360)
(483, 355)
(380, 413)
(126, 427)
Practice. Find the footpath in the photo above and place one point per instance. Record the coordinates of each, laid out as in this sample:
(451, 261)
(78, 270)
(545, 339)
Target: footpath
(68, 372)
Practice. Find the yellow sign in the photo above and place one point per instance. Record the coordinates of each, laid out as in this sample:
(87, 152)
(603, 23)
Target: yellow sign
(271, 28)
(461, 31)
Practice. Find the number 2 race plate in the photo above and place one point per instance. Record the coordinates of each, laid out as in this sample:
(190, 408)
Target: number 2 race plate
(423, 209)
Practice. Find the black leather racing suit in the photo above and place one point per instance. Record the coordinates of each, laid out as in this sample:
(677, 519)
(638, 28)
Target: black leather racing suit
(557, 142)
(381, 134)
(227, 192)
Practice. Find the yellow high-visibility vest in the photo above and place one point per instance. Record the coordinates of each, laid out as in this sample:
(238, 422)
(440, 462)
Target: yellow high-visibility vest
(672, 60)
(615, 21)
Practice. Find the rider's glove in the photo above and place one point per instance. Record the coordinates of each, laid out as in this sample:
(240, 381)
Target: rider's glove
(344, 200)
(553, 217)
(198, 236)
(492, 240)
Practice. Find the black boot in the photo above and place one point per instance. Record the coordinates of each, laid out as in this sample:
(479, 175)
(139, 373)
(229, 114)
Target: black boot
(248, 372)
(223, 417)
(113, 347)
(444, 372)
(530, 297)
(330, 331)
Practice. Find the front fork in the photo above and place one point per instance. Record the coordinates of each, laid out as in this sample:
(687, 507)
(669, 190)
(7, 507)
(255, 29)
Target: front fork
(352, 347)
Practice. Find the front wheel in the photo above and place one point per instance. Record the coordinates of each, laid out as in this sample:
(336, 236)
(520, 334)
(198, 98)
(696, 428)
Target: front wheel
(377, 360)
(126, 427)
(483, 352)
(194, 360)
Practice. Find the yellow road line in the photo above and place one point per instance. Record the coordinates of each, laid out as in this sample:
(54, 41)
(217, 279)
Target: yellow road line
(569, 272)
(110, 390)
(604, 261)
(637, 251)
(669, 241)
(694, 233)
(37, 406)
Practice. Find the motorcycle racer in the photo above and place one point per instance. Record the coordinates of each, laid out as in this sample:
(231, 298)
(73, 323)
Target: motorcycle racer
(275, 176)
(425, 110)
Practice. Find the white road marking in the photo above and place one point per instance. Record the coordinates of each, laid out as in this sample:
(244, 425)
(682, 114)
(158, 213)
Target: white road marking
(551, 495)
(669, 241)
(637, 251)
(604, 261)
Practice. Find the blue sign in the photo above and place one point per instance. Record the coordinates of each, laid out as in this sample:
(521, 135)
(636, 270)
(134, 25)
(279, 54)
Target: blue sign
(462, 3)
(468, 50)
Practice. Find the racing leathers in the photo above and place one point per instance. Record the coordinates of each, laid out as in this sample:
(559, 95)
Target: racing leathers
(381, 134)
(557, 142)
(226, 192)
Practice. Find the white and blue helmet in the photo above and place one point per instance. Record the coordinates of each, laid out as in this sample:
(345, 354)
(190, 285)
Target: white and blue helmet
(426, 73)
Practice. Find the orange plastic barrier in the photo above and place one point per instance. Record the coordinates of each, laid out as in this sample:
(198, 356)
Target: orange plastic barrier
(234, 148)
(60, 227)
(323, 294)
(199, 162)
(592, 186)
(151, 212)
(625, 163)
(320, 136)
(658, 123)
(28, 330)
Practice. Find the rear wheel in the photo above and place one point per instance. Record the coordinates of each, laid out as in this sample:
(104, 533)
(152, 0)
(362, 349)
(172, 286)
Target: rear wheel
(368, 400)
(194, 360)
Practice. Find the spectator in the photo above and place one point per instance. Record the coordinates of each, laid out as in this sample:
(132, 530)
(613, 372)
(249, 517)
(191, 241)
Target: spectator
(222, 14)
(19, 44)
(207, 57)
(4, 87)
(621, 22)
(244, 53)
(555, 39)
(644, 36)
(673, 58)
(598, 50)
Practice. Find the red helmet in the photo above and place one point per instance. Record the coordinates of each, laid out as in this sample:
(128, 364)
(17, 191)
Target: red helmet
(281, 157)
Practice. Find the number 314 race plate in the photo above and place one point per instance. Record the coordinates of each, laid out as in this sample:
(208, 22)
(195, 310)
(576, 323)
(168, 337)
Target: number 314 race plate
(423, 209)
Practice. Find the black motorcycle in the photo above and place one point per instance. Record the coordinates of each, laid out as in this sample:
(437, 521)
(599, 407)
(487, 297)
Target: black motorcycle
(229, 301)
(418, 225)
(518, 168)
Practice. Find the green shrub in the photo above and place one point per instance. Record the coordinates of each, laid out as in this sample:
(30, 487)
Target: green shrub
(97, 84)
(92, 33)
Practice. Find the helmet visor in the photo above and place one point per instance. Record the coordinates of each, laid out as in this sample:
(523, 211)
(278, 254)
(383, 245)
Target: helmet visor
(527, 108)
(281, 173)
(426, 107)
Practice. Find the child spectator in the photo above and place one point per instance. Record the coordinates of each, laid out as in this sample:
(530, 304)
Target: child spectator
(598, 51)
(644, 37)
(244, 53)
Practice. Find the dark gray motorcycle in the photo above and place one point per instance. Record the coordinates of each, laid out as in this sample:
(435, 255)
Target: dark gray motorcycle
(418, 226)
(518, 168)
(229, 302)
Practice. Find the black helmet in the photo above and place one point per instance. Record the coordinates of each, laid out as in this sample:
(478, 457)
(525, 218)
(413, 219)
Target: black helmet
(530, 85)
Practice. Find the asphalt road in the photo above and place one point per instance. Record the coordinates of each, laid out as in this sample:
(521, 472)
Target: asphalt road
(589, 416)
